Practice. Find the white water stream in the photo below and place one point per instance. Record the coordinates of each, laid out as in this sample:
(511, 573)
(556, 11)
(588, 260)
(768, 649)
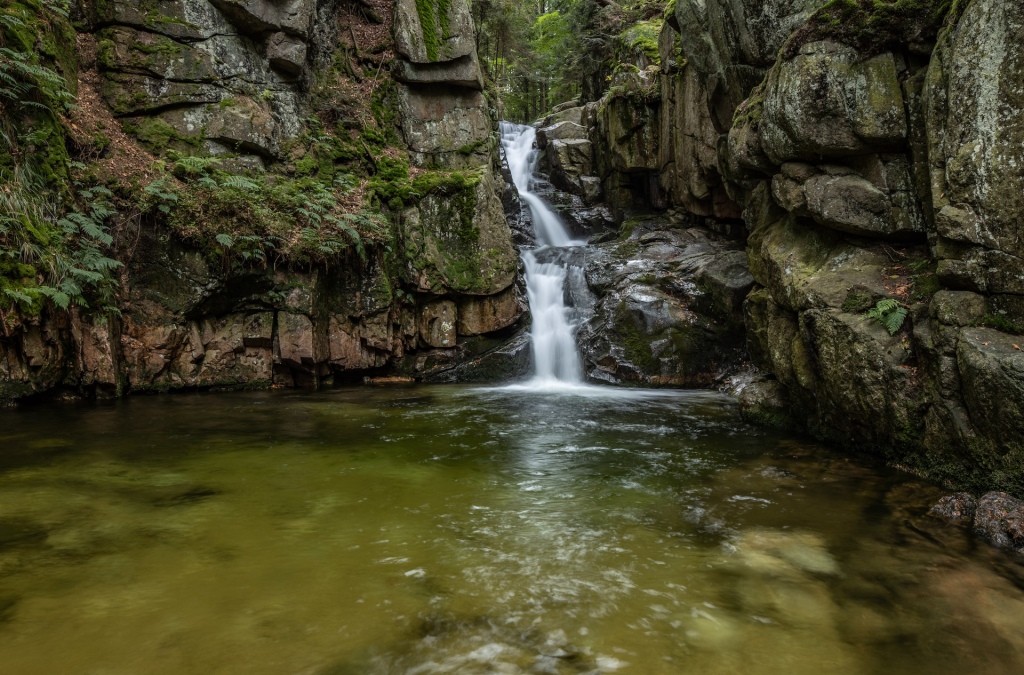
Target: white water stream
(557, 363)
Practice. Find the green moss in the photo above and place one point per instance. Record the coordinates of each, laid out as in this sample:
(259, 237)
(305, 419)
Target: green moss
(635, 342)
(925, 286)
(471, 148)
(159, 137)
(750, 111)
(435, 21)
(642, 38)
(873, 26)
(859, 300)
(1001, 323)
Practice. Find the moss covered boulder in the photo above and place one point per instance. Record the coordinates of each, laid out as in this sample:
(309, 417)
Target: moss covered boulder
(828, 102)
(456, 240)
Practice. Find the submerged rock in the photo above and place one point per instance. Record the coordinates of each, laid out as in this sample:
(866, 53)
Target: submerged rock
(999, 518)
(957, 507)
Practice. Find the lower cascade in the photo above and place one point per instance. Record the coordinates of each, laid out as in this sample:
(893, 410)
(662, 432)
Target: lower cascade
(556, 360)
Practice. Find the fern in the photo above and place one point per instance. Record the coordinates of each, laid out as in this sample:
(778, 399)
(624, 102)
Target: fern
(237, 182)
(890, 314)
(190, 166)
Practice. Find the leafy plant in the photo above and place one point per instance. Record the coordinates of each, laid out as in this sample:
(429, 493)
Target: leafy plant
(890, 314)
(51, 254)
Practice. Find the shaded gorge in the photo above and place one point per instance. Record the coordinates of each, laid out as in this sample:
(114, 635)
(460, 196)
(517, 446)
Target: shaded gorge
(468, 530)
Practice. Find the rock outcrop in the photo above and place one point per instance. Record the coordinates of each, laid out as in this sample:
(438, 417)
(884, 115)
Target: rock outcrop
(270, 88)
(873, 154)
(667, 308)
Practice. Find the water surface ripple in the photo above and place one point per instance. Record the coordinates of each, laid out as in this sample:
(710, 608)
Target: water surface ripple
(465, 530)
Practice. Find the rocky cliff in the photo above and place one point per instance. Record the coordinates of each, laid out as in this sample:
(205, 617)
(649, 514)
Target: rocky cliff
(873, 153)
(305, 191)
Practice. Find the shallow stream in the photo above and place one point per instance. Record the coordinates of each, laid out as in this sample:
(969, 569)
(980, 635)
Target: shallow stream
(466, 530)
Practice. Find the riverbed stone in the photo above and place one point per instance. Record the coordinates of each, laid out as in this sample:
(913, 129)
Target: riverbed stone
(959, 507)
(999, 518)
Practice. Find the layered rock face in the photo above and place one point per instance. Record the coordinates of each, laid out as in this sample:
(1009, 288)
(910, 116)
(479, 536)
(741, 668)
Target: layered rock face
(232, 79)
(873, 157)
(221, 75)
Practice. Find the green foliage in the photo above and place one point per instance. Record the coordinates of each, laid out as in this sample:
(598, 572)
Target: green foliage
(252, 220)
(890, 314)
(54, 238)
(25, 80)
(642, 38)
(50, 254)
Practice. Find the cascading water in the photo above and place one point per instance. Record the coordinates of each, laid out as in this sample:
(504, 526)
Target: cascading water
(556, 361)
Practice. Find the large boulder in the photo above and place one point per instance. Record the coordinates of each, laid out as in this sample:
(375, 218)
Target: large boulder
(667, 306)
(829, 102)
(456, 240)
(445, 127)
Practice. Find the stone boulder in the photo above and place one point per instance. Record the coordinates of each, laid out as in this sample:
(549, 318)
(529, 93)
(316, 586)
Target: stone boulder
(571, 162)
(436, 43)
(851, 203)
(438, 322)
(256, 17)
(829, 102)
(561, 131)
(667, 304)
(488, 314)
(999, 518)
(460, 243)
(438, 123)
(959, 507)
(286, 53)
(433, 32)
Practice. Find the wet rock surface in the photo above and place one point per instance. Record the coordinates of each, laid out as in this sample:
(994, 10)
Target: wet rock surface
(996, 517)
(667, 304)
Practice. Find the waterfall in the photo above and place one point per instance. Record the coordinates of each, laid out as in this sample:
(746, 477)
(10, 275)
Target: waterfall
(556, 361)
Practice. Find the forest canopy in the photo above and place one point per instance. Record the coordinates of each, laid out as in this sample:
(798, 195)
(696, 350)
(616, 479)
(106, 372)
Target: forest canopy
(545, 52)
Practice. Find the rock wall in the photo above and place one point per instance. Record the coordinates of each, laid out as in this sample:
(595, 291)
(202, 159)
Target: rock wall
(872, 159)
(238, 80)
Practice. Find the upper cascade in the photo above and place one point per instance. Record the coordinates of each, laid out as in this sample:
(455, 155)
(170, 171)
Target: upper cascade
(519, 143)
